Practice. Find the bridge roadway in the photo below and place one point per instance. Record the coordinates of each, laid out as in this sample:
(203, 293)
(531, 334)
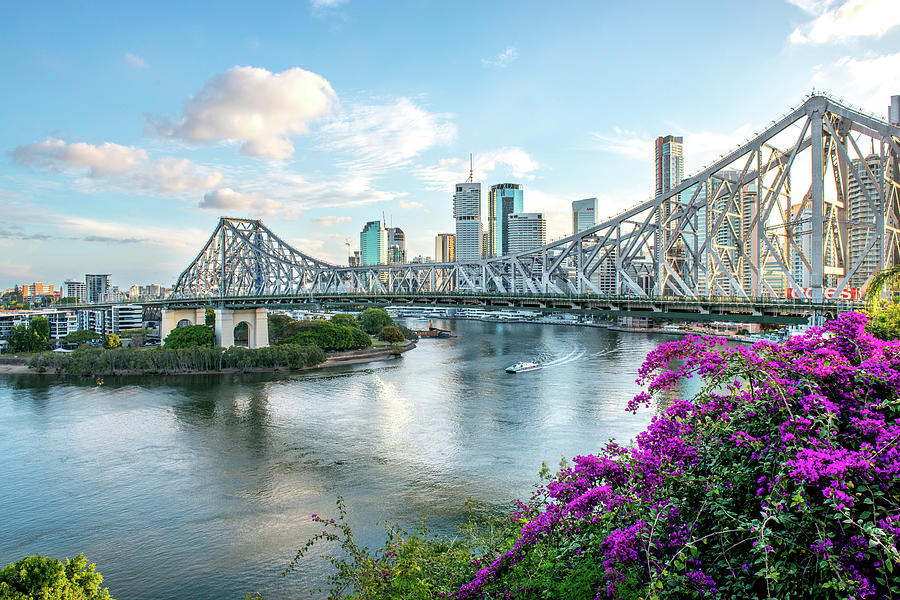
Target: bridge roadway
(675, 308)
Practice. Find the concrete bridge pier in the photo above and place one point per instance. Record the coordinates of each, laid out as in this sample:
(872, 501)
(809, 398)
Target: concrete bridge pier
(257, 320)
(179, 317)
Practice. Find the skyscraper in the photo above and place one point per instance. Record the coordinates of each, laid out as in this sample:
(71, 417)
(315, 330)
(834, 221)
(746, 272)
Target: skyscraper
(396, 246)
(861, 219)
(444, 247)
(584, 214)
(467, 212)
(503, 199)
(97, 287)
(527, 231)
(669, 163)
(373, 244)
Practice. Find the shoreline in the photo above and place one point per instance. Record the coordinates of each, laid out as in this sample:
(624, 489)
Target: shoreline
(334, 359)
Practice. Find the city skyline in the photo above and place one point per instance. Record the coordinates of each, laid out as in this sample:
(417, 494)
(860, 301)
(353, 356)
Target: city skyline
(131, 136)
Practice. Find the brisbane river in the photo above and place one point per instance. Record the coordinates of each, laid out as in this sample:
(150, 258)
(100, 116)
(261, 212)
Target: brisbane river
(202, 487)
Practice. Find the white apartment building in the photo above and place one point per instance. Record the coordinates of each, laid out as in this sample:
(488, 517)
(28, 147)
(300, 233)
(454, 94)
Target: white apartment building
(527, 231)
(467, 213)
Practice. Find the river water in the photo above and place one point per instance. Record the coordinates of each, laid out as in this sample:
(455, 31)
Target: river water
(202, 487)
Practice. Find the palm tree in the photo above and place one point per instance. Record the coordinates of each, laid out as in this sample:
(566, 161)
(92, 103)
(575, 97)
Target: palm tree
(887, 279)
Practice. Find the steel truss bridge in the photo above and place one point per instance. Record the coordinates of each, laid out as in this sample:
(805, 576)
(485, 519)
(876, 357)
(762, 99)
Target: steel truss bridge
(807, 209)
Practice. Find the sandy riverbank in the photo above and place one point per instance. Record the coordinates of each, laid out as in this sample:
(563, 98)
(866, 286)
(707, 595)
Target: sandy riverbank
(333, 359)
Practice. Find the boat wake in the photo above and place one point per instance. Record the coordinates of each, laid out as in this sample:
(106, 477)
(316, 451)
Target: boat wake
(572, 356)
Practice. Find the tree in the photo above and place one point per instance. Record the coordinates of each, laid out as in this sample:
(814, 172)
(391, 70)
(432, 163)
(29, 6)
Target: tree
(43, 578)
(885, 280)
(68, 300)
(81, 337)
(373, 320)
(112, 341)
(210, 317)
(345, 319)
(282, 327)
(884, 322)
(33, 337)
(390, 334)
(191, 336)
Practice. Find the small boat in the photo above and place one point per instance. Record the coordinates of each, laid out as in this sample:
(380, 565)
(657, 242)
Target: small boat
(434, 332)
(521, 367)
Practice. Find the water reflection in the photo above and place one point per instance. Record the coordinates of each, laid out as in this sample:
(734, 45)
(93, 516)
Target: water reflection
(213, 478)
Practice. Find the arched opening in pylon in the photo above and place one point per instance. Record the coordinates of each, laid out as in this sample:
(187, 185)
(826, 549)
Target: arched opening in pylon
(242, 334)
(184, 323)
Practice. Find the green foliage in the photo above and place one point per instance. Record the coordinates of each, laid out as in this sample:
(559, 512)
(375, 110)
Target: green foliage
(886, 280)
(112, 341)
(43, 578)
(190, 336)
(82, 337)
(210, 317)
(390, 334)
(345, 319)
(373, 320)
(32, 337)
(68, 300)
(409, 566)
(408, 333)
(88, 361)
(282, 327)
(330, 336)
(884, 321)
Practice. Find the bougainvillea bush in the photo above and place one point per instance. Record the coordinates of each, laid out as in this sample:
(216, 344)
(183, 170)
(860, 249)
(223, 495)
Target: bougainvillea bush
(779, 479)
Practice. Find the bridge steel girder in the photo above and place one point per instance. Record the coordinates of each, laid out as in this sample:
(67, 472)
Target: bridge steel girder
(723, 231)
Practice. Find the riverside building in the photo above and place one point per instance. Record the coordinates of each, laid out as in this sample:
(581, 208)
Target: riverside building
(373, 244)
(503, 200)
(467, 213)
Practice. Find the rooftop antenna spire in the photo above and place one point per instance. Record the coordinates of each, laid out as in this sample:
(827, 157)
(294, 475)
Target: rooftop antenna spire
(471, 169)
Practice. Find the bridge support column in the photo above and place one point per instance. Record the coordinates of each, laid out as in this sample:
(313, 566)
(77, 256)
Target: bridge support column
(257, 320)
(170, 318)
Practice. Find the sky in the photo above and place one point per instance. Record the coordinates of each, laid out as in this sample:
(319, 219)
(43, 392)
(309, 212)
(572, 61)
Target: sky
(128, 129)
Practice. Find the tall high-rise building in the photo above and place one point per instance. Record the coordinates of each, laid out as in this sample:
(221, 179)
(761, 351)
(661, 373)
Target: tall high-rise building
(894, 111)
(74, 289)
(503, 199)
(861, 229)
(444, 247)
(584, 214)
(527, 231)
(396, 246)
(97, 286)
(669, 163)
(669, 171)
(373, 244)
(467, 212)
(353, 259)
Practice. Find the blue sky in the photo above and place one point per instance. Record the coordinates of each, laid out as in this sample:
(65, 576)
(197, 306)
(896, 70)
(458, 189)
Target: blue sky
(127, 130)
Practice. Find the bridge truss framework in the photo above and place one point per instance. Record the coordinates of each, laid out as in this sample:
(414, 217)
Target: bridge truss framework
(735, 229)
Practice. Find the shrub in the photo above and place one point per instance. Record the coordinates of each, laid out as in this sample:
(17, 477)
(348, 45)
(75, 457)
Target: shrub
(43, 578)
(780, 477)
(190, 336)
(373, 320)
(330, 336)
(884, 322)
(345, 319)
(81, 337)
(112, 341)
(390, 334)
(408, 333)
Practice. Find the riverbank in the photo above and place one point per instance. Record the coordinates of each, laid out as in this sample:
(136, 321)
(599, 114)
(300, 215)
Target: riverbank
(19, 366)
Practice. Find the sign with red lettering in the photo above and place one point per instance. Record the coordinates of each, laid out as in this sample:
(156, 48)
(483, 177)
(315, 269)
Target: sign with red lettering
(847, 293)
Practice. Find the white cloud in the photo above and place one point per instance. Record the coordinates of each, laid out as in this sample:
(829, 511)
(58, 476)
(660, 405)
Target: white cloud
(502, 60)
(226, 199)
(322, 7)
(627, 143)
(11, 270)
(379, 137)
(135, 61)
(449, 171)
(252, 106)
(407, 204)
(331, 221)
(867, 82)
(852, 19)
(700, 147)
(127, 166)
